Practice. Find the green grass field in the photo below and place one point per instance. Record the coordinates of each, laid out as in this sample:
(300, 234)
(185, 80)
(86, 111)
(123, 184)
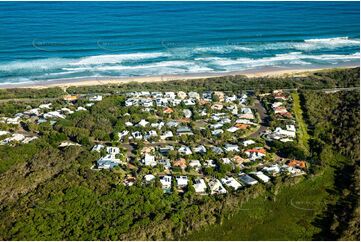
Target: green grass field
(288, 217)
(302, 135)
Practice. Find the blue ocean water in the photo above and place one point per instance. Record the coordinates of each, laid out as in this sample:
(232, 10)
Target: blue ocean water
(42, 41)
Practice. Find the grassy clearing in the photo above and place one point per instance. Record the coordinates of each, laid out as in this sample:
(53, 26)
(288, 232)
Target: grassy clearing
(288, 217)
(302, 134)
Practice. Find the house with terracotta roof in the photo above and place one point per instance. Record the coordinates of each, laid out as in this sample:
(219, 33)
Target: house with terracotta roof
(168, 110)
(181, 162)
(297, 163)
(255, 153)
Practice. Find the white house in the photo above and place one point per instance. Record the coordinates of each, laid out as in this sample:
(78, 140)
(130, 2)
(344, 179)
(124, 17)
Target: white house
(215, 186)
(143, 123)
(182, 181)
(200, 186)
(187, 113)
(261, 176)
(170, 95)
(217, 132)
(189, 102)
(248, 142)
(166, 135)
(113, 150)
(149, 160)
(200, 149)
(231, 182)
(194, 95)
(231, 148)
(149, 134)
(148, 178)
(45, 106)
(98, 147)
(232, 129)
(96, 98)
(137, 135)
(121, 135)
(166, 182)
(185, 150)
(181, 95)
(287, 133)
(196, 164)
(272, 170)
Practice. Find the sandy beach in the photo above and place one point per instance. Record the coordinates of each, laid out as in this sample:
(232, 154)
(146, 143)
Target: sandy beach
(271, 72)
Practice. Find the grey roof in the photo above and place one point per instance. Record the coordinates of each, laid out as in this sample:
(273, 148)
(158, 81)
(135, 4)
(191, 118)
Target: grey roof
(247, 179)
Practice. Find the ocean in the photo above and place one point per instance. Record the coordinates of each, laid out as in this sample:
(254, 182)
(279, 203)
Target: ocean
(44, 41)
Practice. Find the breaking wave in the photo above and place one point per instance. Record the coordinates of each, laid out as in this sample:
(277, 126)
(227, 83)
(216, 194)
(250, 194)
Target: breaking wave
(188, 60)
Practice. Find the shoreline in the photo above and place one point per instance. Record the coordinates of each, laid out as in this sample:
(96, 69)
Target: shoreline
(95, 81)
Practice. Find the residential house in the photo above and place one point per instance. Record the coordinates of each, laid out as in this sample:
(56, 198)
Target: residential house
(113, 150)
(170, 95)
(194, 95)
(168, 110)
(150, 134)
(166, 182)
(255, 153)
(231, 182)
(181, 162)
(181, 95)
(217, 106)
(219, 95)
(247, 180)
(210, 163)
(231, 148)
(149, 160)
(246, 113)
(143, 123)
(149, 178)
(261, 176)
(217, 150)
(297, 164)
(184, 130)
(185, 150)
(217, 132)
(165, 163)
(123, 134)
(189, 102)
(200, 149)
(96, 98)
(98, 147)
(172, 124)
(272, 170)
(215, 187)
(232, 129)
(137, 135)
(248, 142)
(195, 164)
(108, 162)
(187, 113)
(165, 149)
(182, 181)
(199, 185)
(166, 135)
